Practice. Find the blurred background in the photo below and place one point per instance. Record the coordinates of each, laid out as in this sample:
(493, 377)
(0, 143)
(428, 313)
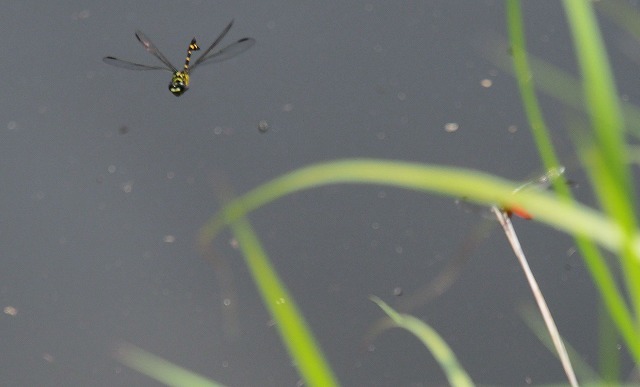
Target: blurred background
(106, 178)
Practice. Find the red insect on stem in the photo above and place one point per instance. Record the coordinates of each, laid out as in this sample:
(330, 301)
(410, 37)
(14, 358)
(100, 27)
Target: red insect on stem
(539, 183)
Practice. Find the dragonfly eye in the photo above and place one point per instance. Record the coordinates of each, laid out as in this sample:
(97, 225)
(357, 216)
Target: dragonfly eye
(177, 88)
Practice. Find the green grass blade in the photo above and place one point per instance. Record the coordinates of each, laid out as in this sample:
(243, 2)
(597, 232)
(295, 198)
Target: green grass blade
(456, 375)
(609, 353)
(526, 85)
(159, 368)
(556, 83)
(608, 160)
(605, 153)
(570, 217)
(623, 14)
(600, 272)
(599, 90)
(293, 329)
(457, 182)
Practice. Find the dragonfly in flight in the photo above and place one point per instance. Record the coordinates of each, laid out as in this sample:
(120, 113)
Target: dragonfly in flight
(180, 79)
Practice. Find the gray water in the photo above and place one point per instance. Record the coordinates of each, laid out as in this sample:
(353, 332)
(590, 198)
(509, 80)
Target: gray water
(106, 179)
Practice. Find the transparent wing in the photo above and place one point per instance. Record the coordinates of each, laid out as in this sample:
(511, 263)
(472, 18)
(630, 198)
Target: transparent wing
(228, 52)
(151, 48)
(125, 64)
(543, 181)
(215, 43)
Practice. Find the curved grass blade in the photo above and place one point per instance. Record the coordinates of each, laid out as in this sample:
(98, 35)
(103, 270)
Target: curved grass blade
(606, 156)
(476, 186)
(571, 217)
(605, 114)
(159, 369)
(293, 329)
(522, 71)
(598, 268)
(456, 375)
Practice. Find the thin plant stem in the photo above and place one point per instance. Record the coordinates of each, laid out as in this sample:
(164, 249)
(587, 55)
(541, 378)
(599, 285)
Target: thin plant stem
(510, 232)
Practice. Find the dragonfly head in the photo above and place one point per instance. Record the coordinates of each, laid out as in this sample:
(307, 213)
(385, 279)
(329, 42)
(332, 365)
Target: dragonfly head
(179, 83)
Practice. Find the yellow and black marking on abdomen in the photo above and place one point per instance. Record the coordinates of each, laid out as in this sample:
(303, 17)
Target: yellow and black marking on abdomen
(193, 46)
(180, 80)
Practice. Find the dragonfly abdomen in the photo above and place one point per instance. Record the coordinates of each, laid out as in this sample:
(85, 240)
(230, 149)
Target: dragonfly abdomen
(193, 46)
(180, 80)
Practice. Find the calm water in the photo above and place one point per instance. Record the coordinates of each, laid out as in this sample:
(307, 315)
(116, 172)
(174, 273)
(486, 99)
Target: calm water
(106, 178)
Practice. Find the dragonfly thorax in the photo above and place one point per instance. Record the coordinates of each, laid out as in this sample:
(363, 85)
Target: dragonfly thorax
(179, 83)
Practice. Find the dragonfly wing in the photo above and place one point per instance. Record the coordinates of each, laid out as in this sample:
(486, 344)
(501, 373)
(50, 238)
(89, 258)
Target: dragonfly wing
(151, 48)
(125, 64)
(228, 52)
(224, 32)
(543, 181)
